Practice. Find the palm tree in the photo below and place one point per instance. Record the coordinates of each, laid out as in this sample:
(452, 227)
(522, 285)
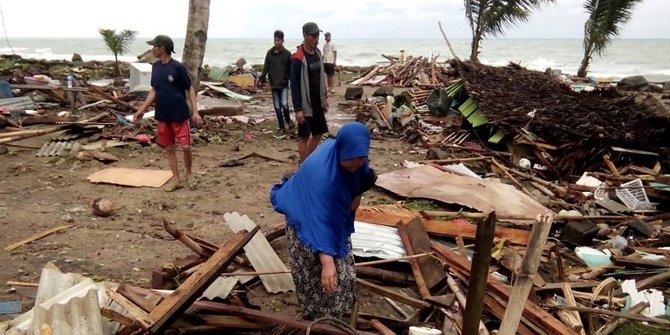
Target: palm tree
(491, 17)
(118, 43)
(604, 23)
(196, 38)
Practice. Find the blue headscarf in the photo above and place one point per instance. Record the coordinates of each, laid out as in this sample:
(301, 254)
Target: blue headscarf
(317, 199)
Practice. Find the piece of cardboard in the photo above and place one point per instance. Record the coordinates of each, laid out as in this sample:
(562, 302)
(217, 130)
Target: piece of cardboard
(131, 177)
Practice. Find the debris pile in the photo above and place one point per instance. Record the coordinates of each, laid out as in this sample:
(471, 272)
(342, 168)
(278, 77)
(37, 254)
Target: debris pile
(407, 72)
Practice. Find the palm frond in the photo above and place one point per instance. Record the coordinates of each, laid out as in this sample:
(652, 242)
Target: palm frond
(494, 16)
(117, 43)
(606, 17)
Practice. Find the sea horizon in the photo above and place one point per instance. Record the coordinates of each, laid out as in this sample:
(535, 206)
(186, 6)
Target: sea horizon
(624, 57)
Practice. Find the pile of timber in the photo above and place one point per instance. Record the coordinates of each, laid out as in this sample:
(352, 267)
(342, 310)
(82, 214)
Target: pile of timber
(414, 71)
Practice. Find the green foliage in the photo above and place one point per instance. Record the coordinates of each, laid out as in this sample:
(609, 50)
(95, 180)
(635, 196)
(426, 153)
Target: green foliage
(421, 205)
(492, 17)
(634, 328)
(605, 20)
(119, 43)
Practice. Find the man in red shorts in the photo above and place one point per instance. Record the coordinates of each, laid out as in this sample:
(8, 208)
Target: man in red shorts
(169, 84)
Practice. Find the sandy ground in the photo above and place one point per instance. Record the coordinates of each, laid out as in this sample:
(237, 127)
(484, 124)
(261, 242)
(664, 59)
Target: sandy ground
(39, 193)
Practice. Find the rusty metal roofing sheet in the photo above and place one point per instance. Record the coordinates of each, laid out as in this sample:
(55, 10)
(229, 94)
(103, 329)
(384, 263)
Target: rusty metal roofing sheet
(484, 195)
(262, 256)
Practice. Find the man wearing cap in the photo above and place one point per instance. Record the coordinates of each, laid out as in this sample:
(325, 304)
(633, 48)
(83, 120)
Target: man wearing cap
(169, 83)
(308, 91)
(329, 60)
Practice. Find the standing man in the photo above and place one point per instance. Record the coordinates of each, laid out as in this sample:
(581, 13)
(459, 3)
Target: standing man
(329, 60)
(169, 84)
(308, 91)
(277, 65)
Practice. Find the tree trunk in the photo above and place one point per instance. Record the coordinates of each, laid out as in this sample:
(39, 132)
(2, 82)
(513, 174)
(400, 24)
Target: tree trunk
(196, 39)
(474, 48)
(116, 65)
(588, 51)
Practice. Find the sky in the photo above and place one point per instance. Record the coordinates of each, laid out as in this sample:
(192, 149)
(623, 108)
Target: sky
(346, 19)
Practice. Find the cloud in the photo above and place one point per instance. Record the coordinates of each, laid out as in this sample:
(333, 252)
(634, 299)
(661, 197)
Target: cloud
(348, 19)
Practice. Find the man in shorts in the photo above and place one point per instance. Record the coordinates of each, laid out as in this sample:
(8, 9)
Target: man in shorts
(308, 91)
(170, 83)
(329, 60)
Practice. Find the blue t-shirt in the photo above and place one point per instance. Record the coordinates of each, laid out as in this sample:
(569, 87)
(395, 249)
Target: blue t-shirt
(170, 82)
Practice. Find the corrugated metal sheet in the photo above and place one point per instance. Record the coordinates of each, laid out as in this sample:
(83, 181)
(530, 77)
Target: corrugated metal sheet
(17, 104)
(68, 304)
(220, 288)
(372, 240)
(261, 255)
(57, 148)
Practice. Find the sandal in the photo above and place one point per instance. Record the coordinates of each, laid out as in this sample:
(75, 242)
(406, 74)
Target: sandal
(172, 187)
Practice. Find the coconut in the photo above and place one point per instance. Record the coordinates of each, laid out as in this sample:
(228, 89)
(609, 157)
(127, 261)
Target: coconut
(101, 207)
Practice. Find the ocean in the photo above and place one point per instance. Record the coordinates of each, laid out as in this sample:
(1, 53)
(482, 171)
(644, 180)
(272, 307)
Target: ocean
(625, 57)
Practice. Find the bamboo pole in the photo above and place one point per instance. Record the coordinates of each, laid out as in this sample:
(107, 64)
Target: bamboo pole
(524, 281)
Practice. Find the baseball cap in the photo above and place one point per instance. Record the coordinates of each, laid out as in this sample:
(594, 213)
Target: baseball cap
(310, 28)
(163, 41)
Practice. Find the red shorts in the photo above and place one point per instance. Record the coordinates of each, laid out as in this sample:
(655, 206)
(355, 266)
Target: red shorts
(170, 133)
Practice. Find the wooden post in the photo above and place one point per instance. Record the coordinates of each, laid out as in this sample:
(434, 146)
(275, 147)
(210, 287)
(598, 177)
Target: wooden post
(479, 272)
(524, 281)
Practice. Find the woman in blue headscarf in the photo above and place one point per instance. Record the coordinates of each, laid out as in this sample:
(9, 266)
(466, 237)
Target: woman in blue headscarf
(320, 202)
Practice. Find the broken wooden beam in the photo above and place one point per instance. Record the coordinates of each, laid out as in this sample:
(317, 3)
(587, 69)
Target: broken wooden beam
(181, 299)
(524, 281)
(479, 272)
(448, 228)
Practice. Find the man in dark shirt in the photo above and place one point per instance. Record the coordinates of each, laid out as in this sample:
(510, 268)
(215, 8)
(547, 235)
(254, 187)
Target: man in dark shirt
(169, 84)
(308, 91)
(277, 63)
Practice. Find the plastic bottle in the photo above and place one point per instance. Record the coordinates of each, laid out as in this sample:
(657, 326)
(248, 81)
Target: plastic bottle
(69, 81)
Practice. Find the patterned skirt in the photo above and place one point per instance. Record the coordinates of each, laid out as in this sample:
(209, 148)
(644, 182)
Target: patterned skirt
(306, 270)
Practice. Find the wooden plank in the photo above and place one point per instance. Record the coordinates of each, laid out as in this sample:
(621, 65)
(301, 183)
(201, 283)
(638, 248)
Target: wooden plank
(177, 302)
(646, 263)
(528, 269)
(416, 269)
(36, 236)
(136, 298)
(570, 301)
(137, 313)
(383, 291)
(479, 271)
(381, 328)
(433, 272)
(497, 308)
(450, 228)
(116, 316)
